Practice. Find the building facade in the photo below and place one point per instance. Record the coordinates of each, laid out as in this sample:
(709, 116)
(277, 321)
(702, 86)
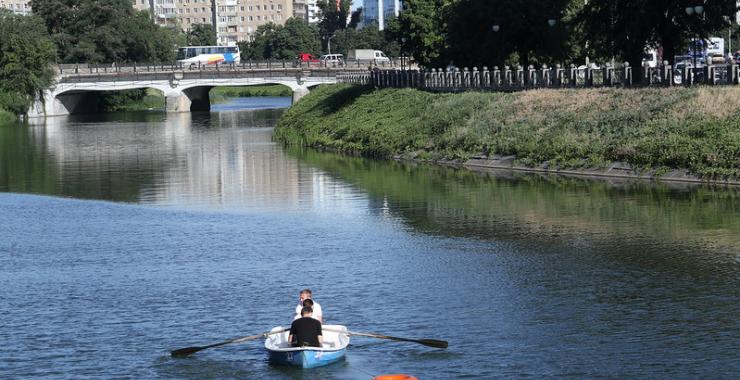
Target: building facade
(377, 11)
(21, 7)
(233, 20)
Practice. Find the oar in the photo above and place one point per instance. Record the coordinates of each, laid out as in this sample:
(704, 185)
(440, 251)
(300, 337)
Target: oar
(183, 352)
(427, 342)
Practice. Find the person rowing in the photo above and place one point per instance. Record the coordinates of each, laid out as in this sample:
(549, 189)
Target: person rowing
(306, 331)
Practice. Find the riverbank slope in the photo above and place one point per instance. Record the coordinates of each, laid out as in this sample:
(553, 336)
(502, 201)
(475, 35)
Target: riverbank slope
(681, 133)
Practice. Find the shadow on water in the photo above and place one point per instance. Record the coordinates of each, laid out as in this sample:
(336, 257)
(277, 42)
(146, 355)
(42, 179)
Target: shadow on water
(626, 217)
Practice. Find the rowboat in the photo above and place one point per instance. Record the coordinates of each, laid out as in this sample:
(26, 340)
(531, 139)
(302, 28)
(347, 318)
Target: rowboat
(336, 340)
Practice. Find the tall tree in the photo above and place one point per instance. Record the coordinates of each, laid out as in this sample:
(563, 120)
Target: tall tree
(26, 55)
(487, 32)
(422, 24)
(201, 35)
(333, 15)
(282, 41)
(104, 31)
(627, 27)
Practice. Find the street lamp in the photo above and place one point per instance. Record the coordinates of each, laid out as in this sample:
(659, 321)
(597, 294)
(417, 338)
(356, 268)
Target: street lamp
(403, 55)
(328, 43)
(496, 28)
(698, 10)
(552, 22)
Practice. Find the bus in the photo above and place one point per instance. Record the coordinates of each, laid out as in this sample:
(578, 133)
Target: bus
(208, 55)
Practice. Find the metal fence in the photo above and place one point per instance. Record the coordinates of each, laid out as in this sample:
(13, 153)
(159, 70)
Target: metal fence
(520, 78)
(105, 68)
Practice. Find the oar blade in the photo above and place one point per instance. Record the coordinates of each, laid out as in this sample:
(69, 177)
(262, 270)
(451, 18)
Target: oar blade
(433, 343)
(183, 352)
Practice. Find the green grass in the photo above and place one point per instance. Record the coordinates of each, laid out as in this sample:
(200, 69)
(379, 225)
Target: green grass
(221, 94)
(678, 128)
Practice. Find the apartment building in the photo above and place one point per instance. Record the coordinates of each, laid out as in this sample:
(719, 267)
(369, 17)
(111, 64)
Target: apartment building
(234, 20)
(237, 20)
(306, 10)
(21, 7)
(377, 11)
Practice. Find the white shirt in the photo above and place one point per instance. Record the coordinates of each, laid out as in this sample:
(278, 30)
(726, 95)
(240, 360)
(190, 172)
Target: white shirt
(317, 314)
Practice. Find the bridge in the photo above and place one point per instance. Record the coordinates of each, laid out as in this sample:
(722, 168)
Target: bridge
(185, 88)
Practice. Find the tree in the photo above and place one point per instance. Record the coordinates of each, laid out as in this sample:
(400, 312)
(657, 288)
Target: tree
(625, 28)
(520, 28)
(333, 15)
(26, 55)
(282, 41)
(201, 35)
(423, 26)
(94, 31)
(355, 18)
(368, 37)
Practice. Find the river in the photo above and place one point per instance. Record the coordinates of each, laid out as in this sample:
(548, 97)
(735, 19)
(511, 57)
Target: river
(125, 236)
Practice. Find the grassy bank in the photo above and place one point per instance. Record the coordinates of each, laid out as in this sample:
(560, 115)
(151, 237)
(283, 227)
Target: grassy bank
(678, 128)
(132, 100)
(222, 94)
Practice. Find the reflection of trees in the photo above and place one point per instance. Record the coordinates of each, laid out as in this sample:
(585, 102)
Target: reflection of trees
(545, 209)
(23, 164)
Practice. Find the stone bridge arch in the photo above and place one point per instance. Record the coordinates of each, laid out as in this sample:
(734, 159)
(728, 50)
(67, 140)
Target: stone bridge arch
(183, 93)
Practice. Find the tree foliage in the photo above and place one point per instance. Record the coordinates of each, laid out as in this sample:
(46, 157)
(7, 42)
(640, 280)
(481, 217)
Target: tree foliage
(94, 31)
(26, 54)
(461, 31)
(201, 35)
(368, 37)
(423, 25)
(333, 15)
(282, 41)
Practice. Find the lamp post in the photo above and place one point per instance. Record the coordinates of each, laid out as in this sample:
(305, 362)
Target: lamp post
(403, 53)
(698, 10)
(328, 43)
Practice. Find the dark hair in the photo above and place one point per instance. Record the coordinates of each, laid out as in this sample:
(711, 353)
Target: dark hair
(306, 309)
(308, 302)
(307, 291)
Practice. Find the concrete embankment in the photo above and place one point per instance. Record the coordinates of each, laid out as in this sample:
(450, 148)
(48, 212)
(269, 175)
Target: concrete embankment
(682, 134)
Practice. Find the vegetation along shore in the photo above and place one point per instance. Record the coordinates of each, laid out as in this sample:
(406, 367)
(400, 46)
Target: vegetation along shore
(650, 132)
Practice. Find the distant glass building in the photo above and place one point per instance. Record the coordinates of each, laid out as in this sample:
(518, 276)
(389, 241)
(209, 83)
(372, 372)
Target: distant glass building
(377, 11)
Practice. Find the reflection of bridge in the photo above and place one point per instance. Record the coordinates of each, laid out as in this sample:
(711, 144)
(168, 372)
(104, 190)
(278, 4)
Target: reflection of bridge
(185, 89)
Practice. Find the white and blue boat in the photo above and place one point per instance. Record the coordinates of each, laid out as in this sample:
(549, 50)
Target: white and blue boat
(336, 340)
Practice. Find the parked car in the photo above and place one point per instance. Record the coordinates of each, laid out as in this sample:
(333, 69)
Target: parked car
(305, 57)
(332, 59)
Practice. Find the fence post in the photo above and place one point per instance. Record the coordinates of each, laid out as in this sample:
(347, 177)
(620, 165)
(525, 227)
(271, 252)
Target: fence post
(627, 75)
(666, 76)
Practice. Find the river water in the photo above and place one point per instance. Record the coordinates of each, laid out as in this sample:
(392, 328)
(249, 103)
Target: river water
(125, 236)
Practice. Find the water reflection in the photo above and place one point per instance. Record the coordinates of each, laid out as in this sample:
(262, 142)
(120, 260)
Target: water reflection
(553, 277)
(636, 218)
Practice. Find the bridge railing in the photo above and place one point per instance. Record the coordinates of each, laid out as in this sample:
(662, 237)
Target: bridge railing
(112, 68)
(520, 78)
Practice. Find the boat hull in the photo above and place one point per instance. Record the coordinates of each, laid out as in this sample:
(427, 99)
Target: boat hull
(306, 358)
(335, 345)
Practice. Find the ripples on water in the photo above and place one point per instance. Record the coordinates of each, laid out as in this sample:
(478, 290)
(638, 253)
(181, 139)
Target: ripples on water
(214, 228)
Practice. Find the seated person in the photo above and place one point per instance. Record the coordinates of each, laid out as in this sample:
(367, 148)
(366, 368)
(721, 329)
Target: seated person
(305, 331)
(303, 296)
(316, 311)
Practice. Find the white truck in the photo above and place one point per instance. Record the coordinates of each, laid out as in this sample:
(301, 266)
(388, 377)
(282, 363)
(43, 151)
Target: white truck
(367, 55)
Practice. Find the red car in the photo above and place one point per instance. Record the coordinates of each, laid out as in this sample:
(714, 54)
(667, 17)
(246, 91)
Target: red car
(305, 57)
